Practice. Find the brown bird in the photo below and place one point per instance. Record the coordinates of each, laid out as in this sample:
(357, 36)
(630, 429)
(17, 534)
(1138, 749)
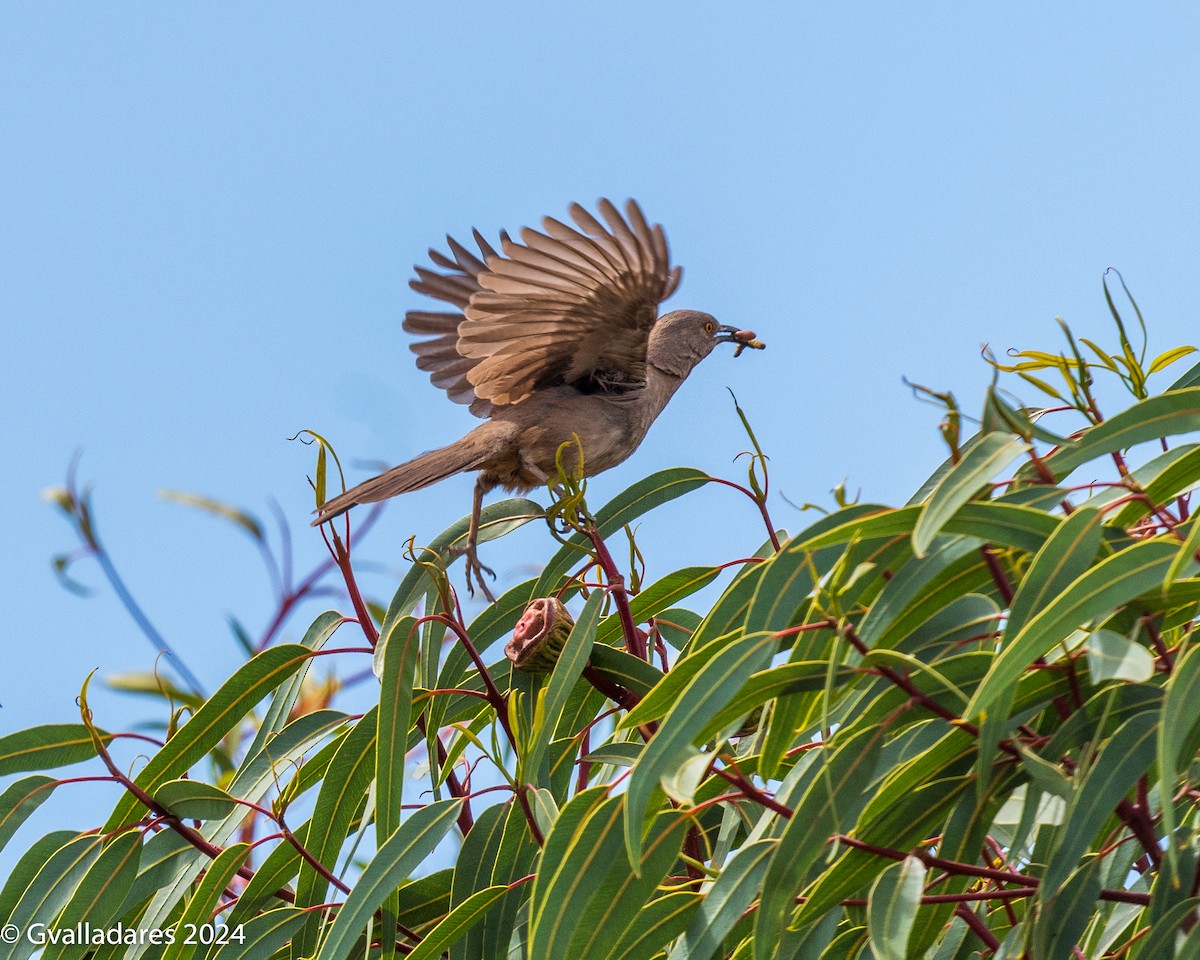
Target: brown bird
(555, 337)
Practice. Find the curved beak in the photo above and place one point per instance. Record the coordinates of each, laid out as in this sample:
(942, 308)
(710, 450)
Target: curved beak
(743, 339)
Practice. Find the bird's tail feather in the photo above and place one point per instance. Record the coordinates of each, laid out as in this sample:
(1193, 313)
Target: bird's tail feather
(466, 454)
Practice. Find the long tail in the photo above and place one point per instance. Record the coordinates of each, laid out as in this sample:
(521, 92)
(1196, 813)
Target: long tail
(469, 453)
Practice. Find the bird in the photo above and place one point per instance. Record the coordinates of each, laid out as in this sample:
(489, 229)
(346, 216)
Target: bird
(555, 337)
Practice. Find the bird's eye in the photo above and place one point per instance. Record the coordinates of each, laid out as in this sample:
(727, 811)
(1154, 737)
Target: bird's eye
(708, 326)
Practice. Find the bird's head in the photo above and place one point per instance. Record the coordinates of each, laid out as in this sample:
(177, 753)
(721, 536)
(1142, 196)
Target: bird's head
(682, 338)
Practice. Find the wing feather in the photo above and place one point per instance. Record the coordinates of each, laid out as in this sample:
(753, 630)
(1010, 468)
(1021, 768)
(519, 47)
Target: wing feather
(565, 305)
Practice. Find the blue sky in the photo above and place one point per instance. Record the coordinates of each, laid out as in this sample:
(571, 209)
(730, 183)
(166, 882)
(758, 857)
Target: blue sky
(209, 212)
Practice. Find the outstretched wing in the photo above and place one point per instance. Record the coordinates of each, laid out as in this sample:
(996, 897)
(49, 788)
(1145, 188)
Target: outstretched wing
(439, 354)
(567, 306)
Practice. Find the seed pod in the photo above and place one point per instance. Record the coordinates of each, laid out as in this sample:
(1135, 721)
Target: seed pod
(539, 636)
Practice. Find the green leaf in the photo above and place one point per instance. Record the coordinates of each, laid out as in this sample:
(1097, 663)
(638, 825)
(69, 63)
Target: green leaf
(1065, 557)
(341, 797)
(586, 889)
(402, 853)
(19, 800)
(1112, 656)
(1122, 760)
(47, 746)
(659, 596)
(1189, 379)
(1105, 587)
(724, 902)
(1067, 911)
(712, 687)
(263, 935)
(892, 908)
(1186, 555)
(630, 672)
(1180, 717)
(830, 804)
(1168, 475)
(920, 588)
(623, 754)
(983, 461)
(653, 926)
(643, 496)
(202, 906)
(224, 710)
(988, 521)
(400, 651)
(101, 894)
(288, 693)
(571, 661)
(495, 520)
(48, 892)
(195, 800)
(1165, 415)
(455, 925)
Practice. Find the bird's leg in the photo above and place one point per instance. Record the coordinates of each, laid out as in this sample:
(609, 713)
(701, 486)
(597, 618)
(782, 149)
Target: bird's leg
(475, 569)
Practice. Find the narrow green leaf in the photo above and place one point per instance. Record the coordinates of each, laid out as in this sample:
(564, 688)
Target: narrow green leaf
(342, 795)
(712, 687)
(1101, 590)
(1112, 656)
(258, 773)
(1186, 554)
(1189, 379)
(402, 853)
(262, 936)
(983, 461)
(1168, 475)
(1180, 716)
(628, 671)
(211, 723)
(458, 922)
(1162, 941)
(989, 521)
(654, 926)
(1122, 760)
(234, 515)
(892, 908)
(571, 661)
(1067, 911)
(495, 520)
(202, 906)
(591, 891)
(1165, 415)
(659, 596)
(195, 800)
(47, 893)
(643, 496)
(101, 894)
(937, 577)
(320, 631)
(47, 746)
(400, 650)
(725, 900)
(618, 754)
(19, 800)
(830, 804)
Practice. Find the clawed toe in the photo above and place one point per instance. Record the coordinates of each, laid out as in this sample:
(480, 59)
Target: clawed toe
(475, 572)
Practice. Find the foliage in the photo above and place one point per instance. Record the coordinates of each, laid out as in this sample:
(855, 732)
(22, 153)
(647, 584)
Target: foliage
(966, 726)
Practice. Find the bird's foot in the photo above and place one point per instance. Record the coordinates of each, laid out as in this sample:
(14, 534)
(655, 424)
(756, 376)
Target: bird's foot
(475, 571)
